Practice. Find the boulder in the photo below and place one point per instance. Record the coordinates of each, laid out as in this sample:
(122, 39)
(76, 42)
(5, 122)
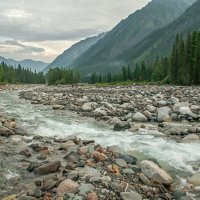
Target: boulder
(195, 179)
(115, 120)
(122, 126)
(152, 171)
(187, 111)
(173, 100)
(66, 145)
(162, 103)
(191, 138)
(151, 108)
(130, 196)
(163, 114)
(48, 168)
(5, 132)
(99, 156)
(129, 116)
(120, 162)
(89, 172)
(68, 186)
(177, 106)
(144, 179)
(139, 117)
(84, 189)
(99, 112)
(108, 105)
(195, 108)
(89, 106)
(92, 196)
(129, 159)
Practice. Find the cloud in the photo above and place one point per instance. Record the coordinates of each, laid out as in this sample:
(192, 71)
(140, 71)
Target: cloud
(59, 20)
(14, 47)
(23, 48)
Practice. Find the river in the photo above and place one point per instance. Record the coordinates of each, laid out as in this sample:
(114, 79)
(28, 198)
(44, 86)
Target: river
(177, 158)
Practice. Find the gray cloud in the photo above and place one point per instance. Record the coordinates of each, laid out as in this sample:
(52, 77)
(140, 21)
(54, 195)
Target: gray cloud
(23, 48)
(60, 20)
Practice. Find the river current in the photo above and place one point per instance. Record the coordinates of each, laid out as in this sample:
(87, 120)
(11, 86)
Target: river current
(177, 158)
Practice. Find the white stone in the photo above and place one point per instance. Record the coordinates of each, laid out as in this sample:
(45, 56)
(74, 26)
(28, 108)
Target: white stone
(163, 114)
(152, 171)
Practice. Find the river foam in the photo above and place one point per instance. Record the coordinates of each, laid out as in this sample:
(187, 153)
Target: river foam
(42, 120)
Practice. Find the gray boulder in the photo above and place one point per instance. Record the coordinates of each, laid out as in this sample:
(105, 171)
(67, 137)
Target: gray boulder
(130, 196)
(139, 117)
(163, 114)
(48, 168)
(122, 126)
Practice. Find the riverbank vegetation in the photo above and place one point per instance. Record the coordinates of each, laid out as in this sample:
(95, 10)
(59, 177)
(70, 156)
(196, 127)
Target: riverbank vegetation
(13, 75)
(62, 76)
(182, 66)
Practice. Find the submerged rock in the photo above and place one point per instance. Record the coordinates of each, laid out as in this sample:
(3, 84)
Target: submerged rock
(122, 126)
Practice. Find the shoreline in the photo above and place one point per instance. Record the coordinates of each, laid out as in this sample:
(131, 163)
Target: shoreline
(106, 162)
(59, 160)
(176, 114)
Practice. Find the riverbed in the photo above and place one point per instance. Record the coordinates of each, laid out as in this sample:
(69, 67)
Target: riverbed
(177, 158)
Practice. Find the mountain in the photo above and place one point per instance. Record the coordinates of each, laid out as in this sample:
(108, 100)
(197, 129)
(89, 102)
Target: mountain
(102, 57)
(160, 42)
(68, 56)
(27, 63)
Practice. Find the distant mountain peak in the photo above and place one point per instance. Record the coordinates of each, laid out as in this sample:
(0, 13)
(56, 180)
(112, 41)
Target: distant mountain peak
(26, 63)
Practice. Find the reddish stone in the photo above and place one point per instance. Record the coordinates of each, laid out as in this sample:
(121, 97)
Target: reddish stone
(92, 196)
(99, 156)
(47, 196)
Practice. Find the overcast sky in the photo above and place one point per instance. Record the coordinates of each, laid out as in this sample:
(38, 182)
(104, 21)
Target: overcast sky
(42, 29)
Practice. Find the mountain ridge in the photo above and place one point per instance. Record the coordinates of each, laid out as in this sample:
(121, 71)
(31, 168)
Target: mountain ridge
(26, 63)
(159, 43)
(102, 56)
(67, 57)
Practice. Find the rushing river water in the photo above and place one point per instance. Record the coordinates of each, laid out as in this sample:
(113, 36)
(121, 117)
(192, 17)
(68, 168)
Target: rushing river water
(177, 158)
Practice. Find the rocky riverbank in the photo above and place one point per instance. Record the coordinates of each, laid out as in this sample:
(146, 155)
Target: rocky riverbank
(35, 167)
(174, 111)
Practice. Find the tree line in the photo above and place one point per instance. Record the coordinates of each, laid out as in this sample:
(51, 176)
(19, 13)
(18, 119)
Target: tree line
(10, 74)
(62, 76)
(182, 66)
